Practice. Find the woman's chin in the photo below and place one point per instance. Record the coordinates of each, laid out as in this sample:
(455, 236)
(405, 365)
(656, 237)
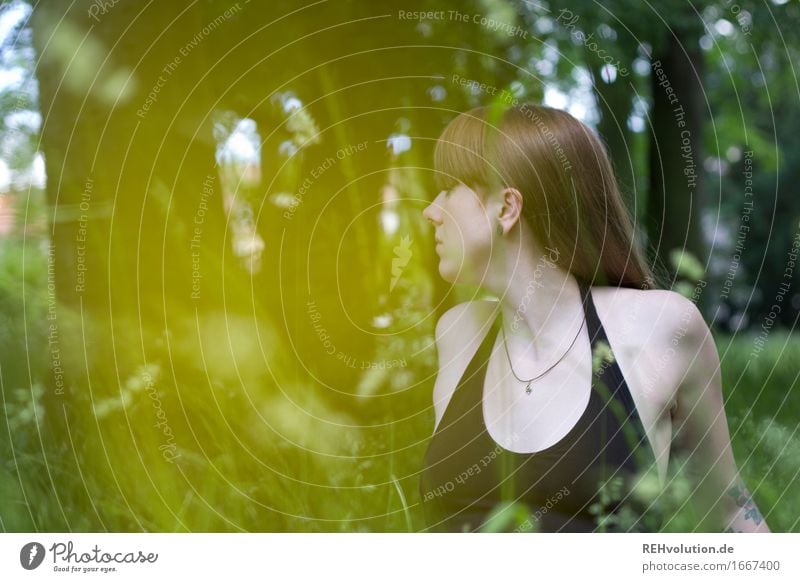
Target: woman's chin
(455, 269)
(450, 272)
(446, 271)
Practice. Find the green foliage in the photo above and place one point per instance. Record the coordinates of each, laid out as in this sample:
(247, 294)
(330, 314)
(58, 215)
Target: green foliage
(686, 265)
(509, 516)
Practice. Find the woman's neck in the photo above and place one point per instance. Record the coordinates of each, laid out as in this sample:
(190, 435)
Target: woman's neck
(541, 302)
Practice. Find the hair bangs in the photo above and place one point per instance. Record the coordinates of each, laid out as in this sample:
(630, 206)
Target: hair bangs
(459, 156)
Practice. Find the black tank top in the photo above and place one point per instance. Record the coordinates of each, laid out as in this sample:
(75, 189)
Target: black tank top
(467, 475)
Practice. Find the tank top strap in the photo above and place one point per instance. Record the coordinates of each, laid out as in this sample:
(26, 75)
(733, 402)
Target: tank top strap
(610, 382)
(607, 368)
(470, 386)
(484, 350)
(593, 325)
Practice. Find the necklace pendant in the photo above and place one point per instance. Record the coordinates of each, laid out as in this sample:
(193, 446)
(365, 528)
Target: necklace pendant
(528, 388)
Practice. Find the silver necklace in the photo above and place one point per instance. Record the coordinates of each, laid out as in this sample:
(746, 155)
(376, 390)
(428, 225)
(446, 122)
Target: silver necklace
(528, 388)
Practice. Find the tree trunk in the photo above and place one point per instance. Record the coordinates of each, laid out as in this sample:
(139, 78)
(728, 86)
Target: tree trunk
(676, 152)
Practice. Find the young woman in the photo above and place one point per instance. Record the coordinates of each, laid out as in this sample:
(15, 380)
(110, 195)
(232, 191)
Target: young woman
(580, 373)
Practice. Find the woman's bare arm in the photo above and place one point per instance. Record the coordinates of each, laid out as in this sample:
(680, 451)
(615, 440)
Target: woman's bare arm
(701, 435)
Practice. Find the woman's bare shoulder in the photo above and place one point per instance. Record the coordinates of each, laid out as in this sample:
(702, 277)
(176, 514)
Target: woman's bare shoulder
(658, 328)
(656, 307)
(462, 324)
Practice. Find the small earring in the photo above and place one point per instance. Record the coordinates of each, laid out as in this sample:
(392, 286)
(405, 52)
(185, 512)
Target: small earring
(499, 229)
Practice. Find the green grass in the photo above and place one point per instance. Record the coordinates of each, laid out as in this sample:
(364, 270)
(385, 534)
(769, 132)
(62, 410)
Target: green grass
(108, 474)
(762, 399)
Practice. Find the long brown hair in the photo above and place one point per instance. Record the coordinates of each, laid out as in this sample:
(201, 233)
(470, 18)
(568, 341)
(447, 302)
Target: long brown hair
(560, 166)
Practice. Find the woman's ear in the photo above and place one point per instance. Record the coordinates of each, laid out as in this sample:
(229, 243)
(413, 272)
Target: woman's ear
(510, 209)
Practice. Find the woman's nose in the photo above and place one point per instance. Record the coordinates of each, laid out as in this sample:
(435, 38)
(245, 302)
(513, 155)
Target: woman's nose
(427, 212)
(431, 211)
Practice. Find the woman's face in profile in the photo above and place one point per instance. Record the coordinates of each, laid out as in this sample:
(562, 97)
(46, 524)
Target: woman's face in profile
(463, 233)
